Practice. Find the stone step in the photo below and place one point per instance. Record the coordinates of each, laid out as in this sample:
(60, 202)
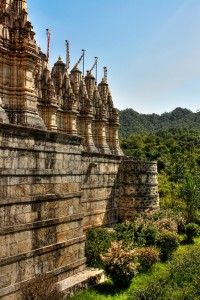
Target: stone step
(81, 281)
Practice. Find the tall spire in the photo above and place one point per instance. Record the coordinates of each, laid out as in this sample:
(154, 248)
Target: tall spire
(48, 44)
(67, 55)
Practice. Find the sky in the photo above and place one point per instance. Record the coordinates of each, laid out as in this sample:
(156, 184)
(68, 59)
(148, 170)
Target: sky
(151, 48)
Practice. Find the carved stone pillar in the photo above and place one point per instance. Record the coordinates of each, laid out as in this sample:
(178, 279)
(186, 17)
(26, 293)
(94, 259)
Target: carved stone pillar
(3, 115)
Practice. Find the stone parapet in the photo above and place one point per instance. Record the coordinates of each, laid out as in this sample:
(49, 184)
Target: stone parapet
(40, 206)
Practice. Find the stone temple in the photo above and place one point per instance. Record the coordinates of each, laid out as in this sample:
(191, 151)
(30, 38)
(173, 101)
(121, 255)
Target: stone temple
(61, 167)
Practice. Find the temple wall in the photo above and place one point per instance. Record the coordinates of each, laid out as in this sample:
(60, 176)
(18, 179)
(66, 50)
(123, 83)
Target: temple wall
(100, 189)
(50, 191)
(40, 206)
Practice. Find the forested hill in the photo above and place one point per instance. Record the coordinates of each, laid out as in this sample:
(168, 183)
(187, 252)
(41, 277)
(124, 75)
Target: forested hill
(134, 122)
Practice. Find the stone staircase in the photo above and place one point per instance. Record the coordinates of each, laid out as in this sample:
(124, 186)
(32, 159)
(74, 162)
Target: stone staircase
(81, 280)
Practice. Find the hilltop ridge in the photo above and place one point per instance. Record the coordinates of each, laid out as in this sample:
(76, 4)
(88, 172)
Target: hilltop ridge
(134, 122)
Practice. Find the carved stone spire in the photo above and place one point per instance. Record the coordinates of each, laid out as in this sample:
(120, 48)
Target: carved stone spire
(75, 77)
(90, 84)
(18, 62)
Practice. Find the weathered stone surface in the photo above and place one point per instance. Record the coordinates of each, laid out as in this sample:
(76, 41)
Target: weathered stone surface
(82, 280)
(139, 187)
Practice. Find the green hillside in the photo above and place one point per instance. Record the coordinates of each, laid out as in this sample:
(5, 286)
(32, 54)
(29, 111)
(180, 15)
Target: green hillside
(134, 122)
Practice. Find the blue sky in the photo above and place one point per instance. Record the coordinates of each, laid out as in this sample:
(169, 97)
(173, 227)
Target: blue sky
(150, 47)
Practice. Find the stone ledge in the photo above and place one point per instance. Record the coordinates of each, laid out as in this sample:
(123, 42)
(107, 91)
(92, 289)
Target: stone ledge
(99, 212)
(39, 198)
(36, 172)
(40, 224)
(44, 150)
(140, 172)
(82, 280)
(102, 155)
(10, 130)
(129, 160)
(147, 184)
(90, 187)
(97, 199)
(40, 251)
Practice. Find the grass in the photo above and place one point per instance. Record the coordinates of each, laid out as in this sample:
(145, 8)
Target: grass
(106, 291)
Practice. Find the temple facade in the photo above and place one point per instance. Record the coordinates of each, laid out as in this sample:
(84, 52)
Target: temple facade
(34, 96)
(61, 167)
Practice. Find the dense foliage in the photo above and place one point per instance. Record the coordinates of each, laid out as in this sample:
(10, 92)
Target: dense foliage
(134, 122)
(138, 263)
(137, 245)
(177, 152)
(98, 242)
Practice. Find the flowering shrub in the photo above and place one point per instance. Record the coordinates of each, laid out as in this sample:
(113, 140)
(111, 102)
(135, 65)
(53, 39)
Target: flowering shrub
(147, 256)
(120, 264)
(166, 224)
(162, 219)
(168, 242)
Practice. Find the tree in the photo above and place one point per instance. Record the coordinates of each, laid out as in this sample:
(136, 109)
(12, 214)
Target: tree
(190, 194)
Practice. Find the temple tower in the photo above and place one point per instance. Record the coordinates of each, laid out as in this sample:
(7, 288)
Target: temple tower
(19, 56)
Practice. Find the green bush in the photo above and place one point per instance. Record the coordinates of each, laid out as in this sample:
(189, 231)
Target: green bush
(41, 287)
(125, 231)
(197, 288)
(140, 242)
(147, 256)
(190, 194)
(197, 220)
(149, 233)
(181, 222)
(167, 242)
(120, 264)
(191, 230)
(98, 241)
(185, 267)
